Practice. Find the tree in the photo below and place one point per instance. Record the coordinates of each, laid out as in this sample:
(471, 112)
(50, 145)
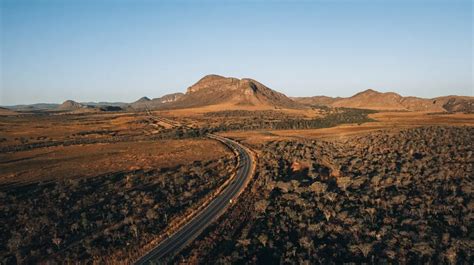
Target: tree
(318, 187)
(343, 182)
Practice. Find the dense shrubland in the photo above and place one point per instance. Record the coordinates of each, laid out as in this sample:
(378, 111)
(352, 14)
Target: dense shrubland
(402, 198)
(98, 218)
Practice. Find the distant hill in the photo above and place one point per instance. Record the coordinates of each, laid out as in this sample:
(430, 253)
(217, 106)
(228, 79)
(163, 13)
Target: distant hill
(316, 100)
(105, 104)
(7, 112)
(76, 107)
(37, 106)
(456, 103)
(71, 105)
(143, 100)
(371, 99)
(155, 103)
(169, 98)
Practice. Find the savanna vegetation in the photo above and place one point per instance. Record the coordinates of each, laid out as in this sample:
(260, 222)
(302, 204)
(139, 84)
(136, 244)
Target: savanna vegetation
(382, 198)
(101, 218)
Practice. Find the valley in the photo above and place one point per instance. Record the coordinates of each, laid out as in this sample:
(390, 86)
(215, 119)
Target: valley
(237, 132)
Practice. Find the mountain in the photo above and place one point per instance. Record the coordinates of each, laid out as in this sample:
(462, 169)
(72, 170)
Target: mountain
(232, 92)
(316, 100)
(145, 102)
(371, 99)
(105, 104)
(169, 98)
(220, 92)
(141, 104)
(76, 107)
(71, 105)
(223, 93)
(30, 107)
(456, 103)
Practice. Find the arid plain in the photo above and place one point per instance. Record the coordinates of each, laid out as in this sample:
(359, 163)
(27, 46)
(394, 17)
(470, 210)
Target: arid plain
(375, 178)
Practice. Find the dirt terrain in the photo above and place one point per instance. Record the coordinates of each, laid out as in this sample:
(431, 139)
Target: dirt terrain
(90, 183)
(66, 146)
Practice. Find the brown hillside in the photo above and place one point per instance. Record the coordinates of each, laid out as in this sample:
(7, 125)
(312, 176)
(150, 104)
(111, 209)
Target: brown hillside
(169, 98)
(456, 103)
(70, 105)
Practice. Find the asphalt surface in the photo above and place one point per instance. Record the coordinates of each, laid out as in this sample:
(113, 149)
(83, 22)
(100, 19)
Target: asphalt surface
(188, 232)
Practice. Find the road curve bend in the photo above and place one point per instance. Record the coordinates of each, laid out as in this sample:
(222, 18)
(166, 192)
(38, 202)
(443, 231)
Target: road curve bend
(214, 209)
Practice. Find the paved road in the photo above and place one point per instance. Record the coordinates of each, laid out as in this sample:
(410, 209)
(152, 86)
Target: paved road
(193, 228)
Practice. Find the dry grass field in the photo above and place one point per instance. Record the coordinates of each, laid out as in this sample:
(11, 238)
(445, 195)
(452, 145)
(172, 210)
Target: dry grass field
(80, 166)
(91, 144)
(62, 162)
(147, 169)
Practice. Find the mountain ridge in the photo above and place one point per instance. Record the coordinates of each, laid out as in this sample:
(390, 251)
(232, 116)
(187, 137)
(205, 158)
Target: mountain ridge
(219, 92)
(372, 99)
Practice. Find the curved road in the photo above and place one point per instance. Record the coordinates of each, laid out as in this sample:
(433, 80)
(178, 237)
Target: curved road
(196, 225)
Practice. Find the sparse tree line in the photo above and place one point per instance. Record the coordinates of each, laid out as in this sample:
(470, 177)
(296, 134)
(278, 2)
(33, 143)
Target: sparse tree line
(26, 145)
(260, 114)
(382, 198)
(96, 132)
(341, 116)
(100, 218)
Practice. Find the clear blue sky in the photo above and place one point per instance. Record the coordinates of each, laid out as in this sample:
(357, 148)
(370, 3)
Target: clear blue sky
(121, 50)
